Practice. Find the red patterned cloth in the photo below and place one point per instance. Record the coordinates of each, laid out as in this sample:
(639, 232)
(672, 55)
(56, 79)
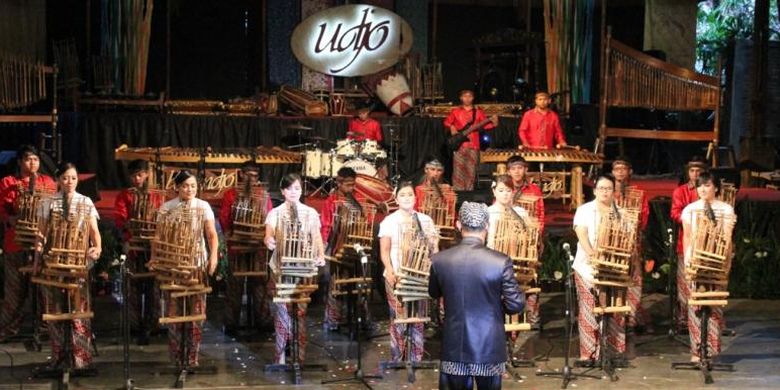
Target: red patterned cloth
(589, 326)
(713, 330)
(9, 191)
(371, 129)
(397, 331)
(194, 334)
(464, 168)
(459, 117)
(540, 129)
(529, 188)
(15, 287)
(283, 327)
(81, 332)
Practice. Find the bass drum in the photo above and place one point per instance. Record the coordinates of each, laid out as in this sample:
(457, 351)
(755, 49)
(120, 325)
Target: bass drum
(361, 166)
(331, 164)
(314, 161)
(376, 190)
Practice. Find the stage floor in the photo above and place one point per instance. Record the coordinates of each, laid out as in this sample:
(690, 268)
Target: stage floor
(755, 351)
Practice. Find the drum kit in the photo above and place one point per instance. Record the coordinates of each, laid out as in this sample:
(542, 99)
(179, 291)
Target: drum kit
(358, 155)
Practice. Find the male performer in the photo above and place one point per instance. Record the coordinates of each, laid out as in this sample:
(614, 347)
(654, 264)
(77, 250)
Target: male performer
(250, 172)
(16, 283)
(465, 159)
(142, 293)
(479, 287)
(343, 195)
(540, 127)
(364, 127)
(517, 168)
(682, 196)
(622, 171)
(434, 170)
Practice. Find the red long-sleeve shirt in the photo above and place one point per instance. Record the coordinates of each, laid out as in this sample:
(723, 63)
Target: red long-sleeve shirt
(681, 197)
(539, 129)
(371, 129)
(226, 205)
(9, 191)
(460, 116)
(419, 193)
(123, 204)
(532, 189)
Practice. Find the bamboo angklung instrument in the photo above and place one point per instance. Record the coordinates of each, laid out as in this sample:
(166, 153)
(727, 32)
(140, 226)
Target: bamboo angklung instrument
(178, 261)
(248, 212)
(355, 234)
(26, 205)
(728, 193)
(438, 202)
(710, 262)
(64, 261)
(615, 245)
(411, 290)
(293, 261)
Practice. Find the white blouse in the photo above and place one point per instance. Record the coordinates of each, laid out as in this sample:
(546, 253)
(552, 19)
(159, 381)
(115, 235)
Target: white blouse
(586, 216)
(54, 204)
(393, 226)
(494, 213)
(208, 215)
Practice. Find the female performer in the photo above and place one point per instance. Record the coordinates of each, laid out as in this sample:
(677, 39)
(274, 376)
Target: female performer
(390, 233)
(292, 210)
(186, 189)
(81, 334)
(586, 225)
(707, 188)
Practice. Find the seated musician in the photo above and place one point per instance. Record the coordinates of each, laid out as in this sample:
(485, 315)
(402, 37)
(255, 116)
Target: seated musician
(364, 127)
(517, 168)
(622, 171)
(292, 209)
(466, 157)
(390, 233)
(682, 196)
(434, 170)
(474, 342)
(186, 188)
(138, 298)
(587, 219)
(11, 311)
(343, 194)
(707, 188)
(540, 127)
(249, 178)
(81, 329)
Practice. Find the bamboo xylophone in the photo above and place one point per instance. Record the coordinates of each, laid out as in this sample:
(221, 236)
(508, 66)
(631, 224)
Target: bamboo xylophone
(169, 154)
(573, 156)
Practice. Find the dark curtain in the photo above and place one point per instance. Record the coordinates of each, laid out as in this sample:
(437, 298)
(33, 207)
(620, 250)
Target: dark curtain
(98, 134)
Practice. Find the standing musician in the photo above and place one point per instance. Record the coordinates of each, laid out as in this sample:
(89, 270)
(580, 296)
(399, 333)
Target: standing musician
(466, 157)
(587, 219)
(434, 170)
(292, 210)
(67, 200)
(622, 171)
(364, 128)
(343, 196)
(138, 297)
(682, 196)
(540, 127)
(249, 175)
(478, 286)
(16, 284)
(390, 232)
(517, 168)
(186, 189)
(707, 188)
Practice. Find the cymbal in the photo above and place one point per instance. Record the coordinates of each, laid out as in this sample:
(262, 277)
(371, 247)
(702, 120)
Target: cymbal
(294, 139)
(299, 126)
(319, 139)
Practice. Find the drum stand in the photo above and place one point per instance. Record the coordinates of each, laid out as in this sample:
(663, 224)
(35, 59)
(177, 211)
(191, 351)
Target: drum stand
(295, 366)
(566, 373)
(358, 376)
(705, 363)
(66, 371)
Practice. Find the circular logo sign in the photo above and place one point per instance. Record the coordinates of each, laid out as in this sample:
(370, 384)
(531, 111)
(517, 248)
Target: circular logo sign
(351, 40)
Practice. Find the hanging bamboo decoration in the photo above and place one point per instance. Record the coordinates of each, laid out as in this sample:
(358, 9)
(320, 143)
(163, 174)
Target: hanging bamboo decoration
(137, 30)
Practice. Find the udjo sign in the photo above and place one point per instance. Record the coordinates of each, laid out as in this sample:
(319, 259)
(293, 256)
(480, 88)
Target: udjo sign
(351, 40)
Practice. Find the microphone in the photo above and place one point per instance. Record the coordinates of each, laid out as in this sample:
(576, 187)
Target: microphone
(567, 249)
(362, 252)
(671, 236)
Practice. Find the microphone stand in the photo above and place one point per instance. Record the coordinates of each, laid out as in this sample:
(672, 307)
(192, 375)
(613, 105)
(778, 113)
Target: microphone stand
(566, 373)
(358, 376)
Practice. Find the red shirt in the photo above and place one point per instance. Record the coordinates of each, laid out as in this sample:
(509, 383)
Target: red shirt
(419, 193)
(460, 116)
(329, 210)
(226, 205)
(370, 129)
(532, 189)
(9, 191)
(681, 197)
(540, 129)
(644, 214)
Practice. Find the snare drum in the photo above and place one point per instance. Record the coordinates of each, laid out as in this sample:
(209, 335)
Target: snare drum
(345, 148)
(314, 161)
(361, 166)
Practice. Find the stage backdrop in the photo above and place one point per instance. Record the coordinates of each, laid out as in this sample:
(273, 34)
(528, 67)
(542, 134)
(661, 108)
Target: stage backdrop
(92, 138)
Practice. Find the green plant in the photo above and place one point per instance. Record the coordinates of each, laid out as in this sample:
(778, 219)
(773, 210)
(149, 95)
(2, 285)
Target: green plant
(553, 267)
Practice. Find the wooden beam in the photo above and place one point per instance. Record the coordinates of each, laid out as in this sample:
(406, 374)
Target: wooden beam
(668, 135)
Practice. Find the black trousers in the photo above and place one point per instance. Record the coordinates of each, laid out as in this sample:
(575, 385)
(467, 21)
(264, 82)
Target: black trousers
(460, 382)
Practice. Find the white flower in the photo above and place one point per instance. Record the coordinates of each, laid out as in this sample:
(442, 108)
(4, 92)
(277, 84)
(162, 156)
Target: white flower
(123, 257)
(558, 275)
(757, 255)
(656, 275)
(764, 254)
(746, 240)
